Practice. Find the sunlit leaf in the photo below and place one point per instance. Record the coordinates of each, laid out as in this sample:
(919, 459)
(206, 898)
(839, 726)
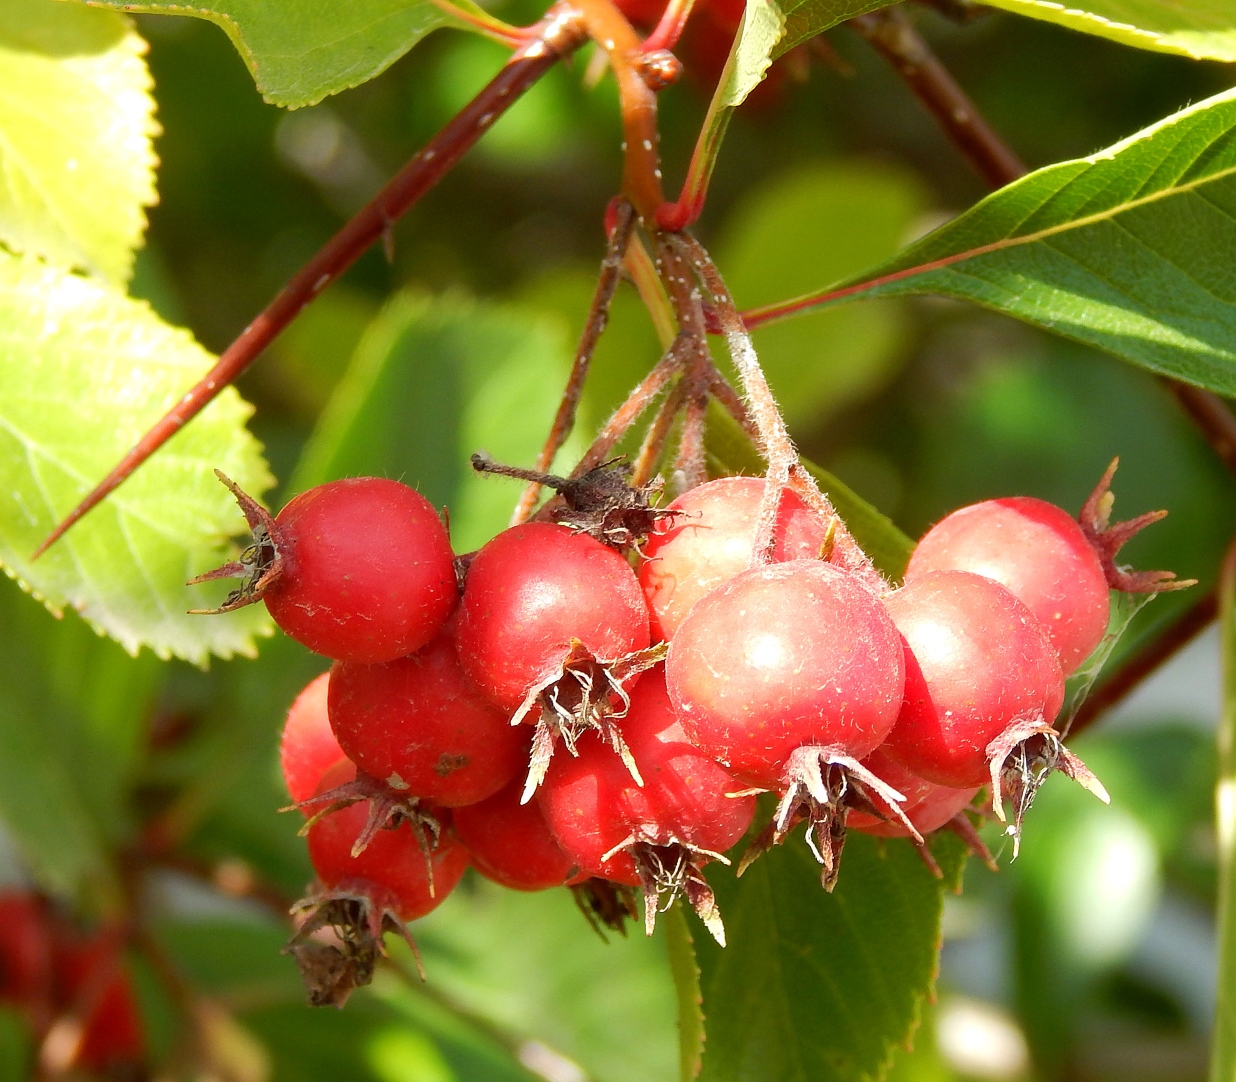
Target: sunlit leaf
(76, 123)
(1202, 29)
(302, 50)
(83, 373)
(1123, 250)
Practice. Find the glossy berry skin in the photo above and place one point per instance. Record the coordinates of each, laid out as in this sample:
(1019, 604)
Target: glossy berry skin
(976, 660)
(781, 657)
(422, 727)
(1038, 552)
(308, 748)
(511, 843)
(391, 871)
(928, 806)
(592, 804)
(533, 589)
(708, 540)
(368, 574)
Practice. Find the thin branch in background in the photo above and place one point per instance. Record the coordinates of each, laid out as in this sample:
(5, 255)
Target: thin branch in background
(598, 318)
(557, 35)
(1166, 645)
(1213, 418)
(891, 33)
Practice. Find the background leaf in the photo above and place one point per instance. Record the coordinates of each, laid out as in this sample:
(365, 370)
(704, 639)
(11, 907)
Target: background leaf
(817, 987)
(1115, 249)
(76, 124)
(83, 373)
(301, 51)
(1202, 29)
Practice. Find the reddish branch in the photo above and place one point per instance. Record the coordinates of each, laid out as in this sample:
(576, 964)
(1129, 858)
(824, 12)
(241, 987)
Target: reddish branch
(557, 35)
(893, 36)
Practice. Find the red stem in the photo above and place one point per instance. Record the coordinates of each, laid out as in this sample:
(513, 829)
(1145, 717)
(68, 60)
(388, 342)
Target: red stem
(557, 35)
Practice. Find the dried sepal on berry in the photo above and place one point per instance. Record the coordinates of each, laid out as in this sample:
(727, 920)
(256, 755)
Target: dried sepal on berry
(667, 869)
(601, 502)
(388, 810)
(1108, 538)
(819, 787)
(258, 565)
(584, 693)
(1021, 759)
(338, 945)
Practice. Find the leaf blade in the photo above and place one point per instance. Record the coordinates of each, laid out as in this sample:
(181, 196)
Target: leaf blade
(76, 129)
(83, 373)
(1110, 250)
(300, 53)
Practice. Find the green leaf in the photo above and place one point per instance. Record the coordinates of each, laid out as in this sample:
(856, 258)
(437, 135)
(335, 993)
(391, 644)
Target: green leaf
(680, 945)
(84, 372)
(817, 987)
(1116, 250)
(771, 28)
(301, 51)
(433, 380)
(732, 452)
(1202, 29)
(76, 124)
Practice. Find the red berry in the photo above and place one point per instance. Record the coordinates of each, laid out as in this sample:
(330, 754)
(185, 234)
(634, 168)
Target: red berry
(709, 540)
(26, 954)
(367, 572)
(421, 726)
(976, 661)
(593, 806)
(1038, 552)
(781, 657)
(308, 747)
(511, 843)
(95, 985)
(533, 589)
(392, 872)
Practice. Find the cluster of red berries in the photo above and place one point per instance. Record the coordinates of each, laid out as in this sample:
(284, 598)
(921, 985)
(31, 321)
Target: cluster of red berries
(673, 678)
(71, 990)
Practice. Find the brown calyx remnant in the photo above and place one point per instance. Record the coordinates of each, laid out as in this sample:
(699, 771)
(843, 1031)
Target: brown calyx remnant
(1108, 538)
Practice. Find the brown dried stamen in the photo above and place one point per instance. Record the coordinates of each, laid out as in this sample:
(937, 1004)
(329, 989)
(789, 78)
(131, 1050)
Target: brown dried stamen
(584, 693)
(819, 785)
(259, 564)
(1021, 758)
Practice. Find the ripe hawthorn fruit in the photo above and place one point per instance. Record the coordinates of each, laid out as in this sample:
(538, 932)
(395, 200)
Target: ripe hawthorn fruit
(977, 661)
(784, 656)
(552, 627)
(1039, 553)
(308, 747)
(423, 728)
(705, 539)
(397, 878)
(356, 570)
(658, 835)
(511, 843)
